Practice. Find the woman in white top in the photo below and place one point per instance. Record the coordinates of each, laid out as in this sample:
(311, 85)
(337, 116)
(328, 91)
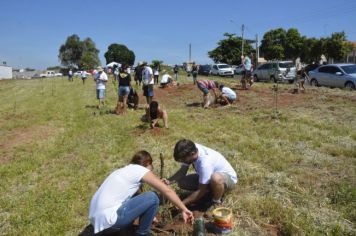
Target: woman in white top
(114, 206)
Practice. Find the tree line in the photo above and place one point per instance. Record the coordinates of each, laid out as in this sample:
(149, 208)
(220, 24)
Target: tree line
(281, 44)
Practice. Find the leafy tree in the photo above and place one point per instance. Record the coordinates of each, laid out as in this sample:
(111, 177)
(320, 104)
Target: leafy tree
(336, 47)
(90, 58)
(293, 44)
(79, 54)
(119, 53)
(157, 63)
(229, 50)
(273, 43)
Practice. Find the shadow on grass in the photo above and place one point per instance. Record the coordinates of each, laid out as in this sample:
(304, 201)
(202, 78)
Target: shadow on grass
(89, 231)
(194, 104)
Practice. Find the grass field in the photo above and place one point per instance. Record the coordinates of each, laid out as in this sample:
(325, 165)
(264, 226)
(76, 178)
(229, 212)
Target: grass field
(296, 164)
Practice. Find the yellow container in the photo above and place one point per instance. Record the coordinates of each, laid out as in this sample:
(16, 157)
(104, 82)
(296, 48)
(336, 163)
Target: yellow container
(223, 217)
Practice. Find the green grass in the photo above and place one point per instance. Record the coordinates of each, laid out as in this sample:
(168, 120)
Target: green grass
(296, 173)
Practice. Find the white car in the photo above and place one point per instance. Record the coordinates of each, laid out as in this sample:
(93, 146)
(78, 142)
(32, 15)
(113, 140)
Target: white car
(222, 70)
(77, 73)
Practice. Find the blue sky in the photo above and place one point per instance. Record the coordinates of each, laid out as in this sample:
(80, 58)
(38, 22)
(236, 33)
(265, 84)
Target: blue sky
(33, 30)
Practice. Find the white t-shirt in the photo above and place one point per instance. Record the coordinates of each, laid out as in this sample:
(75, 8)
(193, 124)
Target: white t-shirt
(156, 72)
(165, 78)
(229, 92)
(101, 79)
(147, 74)
(210, 161)
(119, 186)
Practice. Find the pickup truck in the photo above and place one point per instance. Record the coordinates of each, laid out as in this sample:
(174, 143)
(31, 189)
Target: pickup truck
(48, 73)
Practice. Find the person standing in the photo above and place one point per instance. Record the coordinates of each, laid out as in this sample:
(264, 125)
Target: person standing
(138, 73)
(83, 75)
(156, 74)
(115, 206)
(100, 78)
(70, 75)
(148, 82)
(175, 70)
(123, 90)
(246, 63)
(194, 72)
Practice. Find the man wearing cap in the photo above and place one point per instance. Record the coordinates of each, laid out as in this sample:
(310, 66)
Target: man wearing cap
(100, 78)
(148, 82)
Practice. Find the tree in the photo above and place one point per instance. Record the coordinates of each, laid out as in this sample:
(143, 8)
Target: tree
(273, 43)
(229, 50)
(336, 47)
(79, 54)
(119, 53)
(293, 44)
(157, 63)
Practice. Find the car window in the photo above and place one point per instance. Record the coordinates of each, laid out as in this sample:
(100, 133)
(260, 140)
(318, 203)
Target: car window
(263, 67)
(351, 69)
(324, 69)
(224, 66)
(285, 64)
(215, 67)
(333, 70)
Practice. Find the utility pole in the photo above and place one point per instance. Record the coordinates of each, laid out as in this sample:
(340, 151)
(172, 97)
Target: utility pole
(242, 46)
(257, 51)
(190, 52)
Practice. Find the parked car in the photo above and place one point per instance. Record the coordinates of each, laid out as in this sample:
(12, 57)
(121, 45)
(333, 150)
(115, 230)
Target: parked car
(58, 74)
(77, 73)
(222, 70)
(204, 70)
(238, 70)
(334, 75)
(48, 73)
(275, 71)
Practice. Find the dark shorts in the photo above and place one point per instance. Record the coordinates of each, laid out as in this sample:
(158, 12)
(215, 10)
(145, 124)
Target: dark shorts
(148, 90)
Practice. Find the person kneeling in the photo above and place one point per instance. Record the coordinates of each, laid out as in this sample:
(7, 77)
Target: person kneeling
(166, 80)
(115, 206)
(213, 172)
(154, 113)
(228, 95)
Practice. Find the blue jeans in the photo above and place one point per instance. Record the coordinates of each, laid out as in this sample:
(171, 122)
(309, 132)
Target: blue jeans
(144, 206)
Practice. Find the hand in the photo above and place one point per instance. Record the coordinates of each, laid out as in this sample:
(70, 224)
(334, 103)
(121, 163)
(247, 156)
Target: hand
(188, 216)
(166, 181)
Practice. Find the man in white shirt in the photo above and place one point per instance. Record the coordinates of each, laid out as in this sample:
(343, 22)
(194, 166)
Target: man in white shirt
(148, 82)
(166, 79)
(100, 78)
(228, 95)
(213, 172)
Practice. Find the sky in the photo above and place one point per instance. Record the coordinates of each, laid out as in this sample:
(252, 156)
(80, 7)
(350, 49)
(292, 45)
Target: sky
(33, 30)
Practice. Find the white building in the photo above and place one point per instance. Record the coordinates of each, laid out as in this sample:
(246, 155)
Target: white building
(5, 72)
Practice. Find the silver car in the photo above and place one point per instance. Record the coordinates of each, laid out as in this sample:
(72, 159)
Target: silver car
(334, 75)
(275, 71)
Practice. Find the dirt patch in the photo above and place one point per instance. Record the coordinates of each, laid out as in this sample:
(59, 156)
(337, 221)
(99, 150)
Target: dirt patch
(22, 136)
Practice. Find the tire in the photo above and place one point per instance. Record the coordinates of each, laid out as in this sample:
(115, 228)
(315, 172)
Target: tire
(350, 86)
(291, 81)
(314, 83)
(255, 78)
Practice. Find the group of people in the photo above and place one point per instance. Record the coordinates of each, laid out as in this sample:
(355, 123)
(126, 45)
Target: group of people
(227, 95)
(120, 200)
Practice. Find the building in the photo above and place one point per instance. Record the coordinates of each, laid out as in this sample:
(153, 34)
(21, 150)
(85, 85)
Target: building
(351, 57)
(5, 72)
